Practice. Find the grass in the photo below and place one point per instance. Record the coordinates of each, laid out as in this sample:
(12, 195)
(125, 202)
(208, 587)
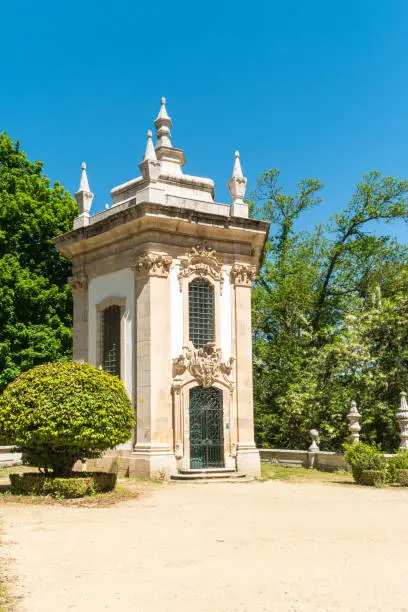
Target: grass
(299, 474)
(5, 472)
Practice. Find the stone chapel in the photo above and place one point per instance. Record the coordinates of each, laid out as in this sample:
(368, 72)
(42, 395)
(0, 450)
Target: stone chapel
(162, 298)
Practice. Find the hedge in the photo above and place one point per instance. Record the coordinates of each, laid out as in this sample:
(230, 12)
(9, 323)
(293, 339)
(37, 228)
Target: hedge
(373, 478)
(402, 477)
(78, 485)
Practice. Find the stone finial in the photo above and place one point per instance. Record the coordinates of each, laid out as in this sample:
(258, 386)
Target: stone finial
(163, 124)
(84, 196)
(402, 418)
(237, 170)
(237, 183)
(83, 183)
(314, 434)
(354, 423)
(150, 153)
(313, 449)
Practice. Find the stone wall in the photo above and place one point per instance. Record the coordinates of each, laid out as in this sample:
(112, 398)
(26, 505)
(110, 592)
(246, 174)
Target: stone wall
(325, 461)
(8, 457)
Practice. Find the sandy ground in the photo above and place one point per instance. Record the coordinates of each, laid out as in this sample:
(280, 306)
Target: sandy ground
(217, 547)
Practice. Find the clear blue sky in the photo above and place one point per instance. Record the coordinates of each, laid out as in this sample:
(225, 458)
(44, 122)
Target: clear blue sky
(314, 88)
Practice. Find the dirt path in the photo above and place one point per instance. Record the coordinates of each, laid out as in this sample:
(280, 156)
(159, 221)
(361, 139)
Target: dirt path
(220, 547)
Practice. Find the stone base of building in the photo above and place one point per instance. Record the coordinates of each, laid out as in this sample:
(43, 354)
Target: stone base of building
(248, 460)
(152, 462)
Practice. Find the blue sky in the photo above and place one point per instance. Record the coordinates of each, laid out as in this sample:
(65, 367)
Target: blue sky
(314, 88)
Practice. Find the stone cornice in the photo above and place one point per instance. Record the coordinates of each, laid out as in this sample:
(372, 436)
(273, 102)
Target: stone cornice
(243, 275)
(153, 264)
(133, 212)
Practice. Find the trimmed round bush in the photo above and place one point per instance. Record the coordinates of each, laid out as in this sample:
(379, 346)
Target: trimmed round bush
(77, 485)
(373, 478)
(59, 413)
(362, 457)
(401, 476)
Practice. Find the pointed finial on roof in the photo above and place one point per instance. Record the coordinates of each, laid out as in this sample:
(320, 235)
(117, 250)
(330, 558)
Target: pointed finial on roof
(237, 170)
(163, 125)
(237, 183)
(163, 111)
(83, 183)
(84, 196)
(150, 153)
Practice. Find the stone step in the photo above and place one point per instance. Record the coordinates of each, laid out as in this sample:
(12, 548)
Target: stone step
(209, 471)
(210, 476)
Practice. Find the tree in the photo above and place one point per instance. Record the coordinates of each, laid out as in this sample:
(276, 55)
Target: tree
(309, 360)
(35, 300)
(58, 413)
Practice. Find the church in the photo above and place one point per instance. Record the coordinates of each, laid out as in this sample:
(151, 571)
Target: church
(161, 285)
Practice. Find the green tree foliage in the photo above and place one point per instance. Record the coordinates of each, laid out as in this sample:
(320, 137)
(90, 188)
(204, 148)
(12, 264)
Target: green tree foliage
(330, 316)
(35, 300)
(61, 412)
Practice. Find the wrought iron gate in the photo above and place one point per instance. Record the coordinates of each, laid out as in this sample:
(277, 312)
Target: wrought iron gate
(206, 428)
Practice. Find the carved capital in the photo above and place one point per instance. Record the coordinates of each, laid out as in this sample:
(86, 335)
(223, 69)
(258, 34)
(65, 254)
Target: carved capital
(79, 281)
(243, 275)
(201, 261)
(153, 264)
(205, 365)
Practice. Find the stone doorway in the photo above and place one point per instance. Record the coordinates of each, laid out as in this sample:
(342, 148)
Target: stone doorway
(206, 428)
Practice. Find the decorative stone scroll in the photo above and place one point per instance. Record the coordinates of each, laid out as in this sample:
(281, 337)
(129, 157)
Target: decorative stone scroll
(79, 281)
(402, 418)
(243, 275)
(153, 264)
(204, 364)
(201, 261)
(354, 423)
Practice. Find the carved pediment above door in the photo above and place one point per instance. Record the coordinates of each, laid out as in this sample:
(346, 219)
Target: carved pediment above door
(206, 365)
(201, 261)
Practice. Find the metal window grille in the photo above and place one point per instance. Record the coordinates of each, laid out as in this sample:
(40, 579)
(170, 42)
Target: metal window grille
(111, 340)
(201, 313)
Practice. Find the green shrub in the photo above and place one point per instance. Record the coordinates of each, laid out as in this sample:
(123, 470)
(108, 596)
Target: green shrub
(362, 457)
(401, 476)
(373, 478)
(78, 485)
(58, 413)
(398, 462)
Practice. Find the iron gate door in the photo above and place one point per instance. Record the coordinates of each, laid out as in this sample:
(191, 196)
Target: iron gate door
(206, 428)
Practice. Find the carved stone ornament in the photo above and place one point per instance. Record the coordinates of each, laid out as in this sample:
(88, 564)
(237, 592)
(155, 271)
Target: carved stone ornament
(243, 275)
(79, 281)
(204, 364)
(201, 261)
(402, 418)
(153, 264)
(354, 423)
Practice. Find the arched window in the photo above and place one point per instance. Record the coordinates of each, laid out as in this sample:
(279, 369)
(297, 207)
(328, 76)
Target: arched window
(201, 312)
(111, 340)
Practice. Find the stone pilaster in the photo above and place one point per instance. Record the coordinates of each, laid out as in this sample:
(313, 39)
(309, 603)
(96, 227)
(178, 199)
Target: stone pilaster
(153, 452)
(248, 459)
(79, 285)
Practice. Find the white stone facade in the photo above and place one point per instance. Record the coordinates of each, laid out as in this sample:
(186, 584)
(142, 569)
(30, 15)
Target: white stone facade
(163, 232)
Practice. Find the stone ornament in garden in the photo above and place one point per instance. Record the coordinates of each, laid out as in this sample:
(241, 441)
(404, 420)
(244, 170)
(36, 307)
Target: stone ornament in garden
(402, 418)
(354, 423)
(313, 448)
